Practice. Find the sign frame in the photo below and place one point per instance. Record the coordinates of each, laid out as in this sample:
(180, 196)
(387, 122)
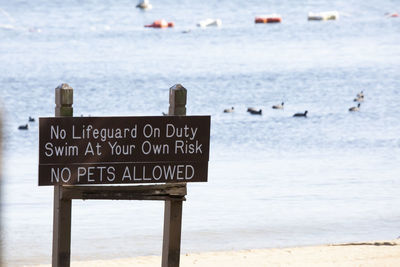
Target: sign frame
(121, 150)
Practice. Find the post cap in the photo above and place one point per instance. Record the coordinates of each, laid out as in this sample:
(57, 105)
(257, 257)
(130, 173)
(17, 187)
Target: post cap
(177, 95)
(177, 100)
(64, 86)
(64, 95)
(178, 86)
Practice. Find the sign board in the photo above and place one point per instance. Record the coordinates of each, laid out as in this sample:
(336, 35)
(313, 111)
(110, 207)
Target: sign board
(117, 150)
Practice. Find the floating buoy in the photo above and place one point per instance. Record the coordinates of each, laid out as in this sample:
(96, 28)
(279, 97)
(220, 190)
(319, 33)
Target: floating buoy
(7, 26)
(392, 15)
(162, 23)
(272, 18)
(144, 4)
(327, 15)
(209, 22)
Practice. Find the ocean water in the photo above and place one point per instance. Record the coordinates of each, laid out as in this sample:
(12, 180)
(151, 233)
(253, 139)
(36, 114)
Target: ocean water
(274, 180)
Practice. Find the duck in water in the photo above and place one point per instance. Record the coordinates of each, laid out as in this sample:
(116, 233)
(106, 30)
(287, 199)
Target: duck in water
(254, 111)
(229, 110)
(359, 97)
(278, 106)
(301, 114)
(23, 127)
(354, 109)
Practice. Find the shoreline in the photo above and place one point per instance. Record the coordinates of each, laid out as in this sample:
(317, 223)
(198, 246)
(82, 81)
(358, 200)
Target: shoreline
(375, 253)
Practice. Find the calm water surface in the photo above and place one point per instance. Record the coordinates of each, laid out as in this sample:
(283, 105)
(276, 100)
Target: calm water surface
(274, 180)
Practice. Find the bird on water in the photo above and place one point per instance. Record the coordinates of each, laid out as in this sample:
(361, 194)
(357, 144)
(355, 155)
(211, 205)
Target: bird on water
(254, 111)
(301, 114)
(31, 119)
(229, 110)
(359, 97)
(279, 106)
(23, 127)
(353, 109)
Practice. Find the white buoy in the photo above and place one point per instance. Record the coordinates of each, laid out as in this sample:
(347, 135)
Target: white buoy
(327, 15)
(144, 4)
(7, 26)
(209, 22)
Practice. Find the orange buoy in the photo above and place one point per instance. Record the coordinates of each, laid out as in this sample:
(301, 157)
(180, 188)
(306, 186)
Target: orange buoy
(392, 15)
(273, 18)
(162, 23)
(260, 20)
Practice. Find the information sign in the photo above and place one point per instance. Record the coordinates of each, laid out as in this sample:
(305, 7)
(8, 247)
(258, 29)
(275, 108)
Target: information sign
(115, 150)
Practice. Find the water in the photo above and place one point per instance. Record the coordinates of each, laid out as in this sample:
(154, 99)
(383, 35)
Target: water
(274, 180)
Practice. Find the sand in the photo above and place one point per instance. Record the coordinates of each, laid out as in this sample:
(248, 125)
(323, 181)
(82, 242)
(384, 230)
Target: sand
(379, 253)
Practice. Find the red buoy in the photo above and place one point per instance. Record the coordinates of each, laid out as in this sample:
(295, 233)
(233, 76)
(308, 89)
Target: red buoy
(162, 23)
(273, 18)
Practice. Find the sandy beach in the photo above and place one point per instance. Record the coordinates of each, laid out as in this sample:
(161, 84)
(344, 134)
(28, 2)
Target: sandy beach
(377, 253)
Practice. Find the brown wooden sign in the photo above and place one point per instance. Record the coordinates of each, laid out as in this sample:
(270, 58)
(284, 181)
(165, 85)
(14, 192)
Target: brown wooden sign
(114, 150)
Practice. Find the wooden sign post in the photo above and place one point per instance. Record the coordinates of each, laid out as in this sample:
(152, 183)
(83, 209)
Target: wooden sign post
(62, 207)
(115, 150)
(173, 208)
